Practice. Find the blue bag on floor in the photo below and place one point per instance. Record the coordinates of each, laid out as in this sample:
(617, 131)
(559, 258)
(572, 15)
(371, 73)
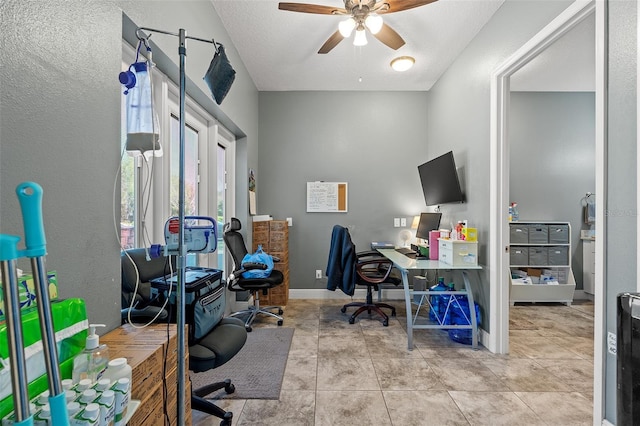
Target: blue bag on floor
(258, 257)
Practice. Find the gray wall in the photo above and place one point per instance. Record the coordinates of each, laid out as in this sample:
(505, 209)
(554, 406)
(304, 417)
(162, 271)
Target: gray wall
(60, 121)
(552, 159)
(459, 106)
(374, 141)
(622, 188)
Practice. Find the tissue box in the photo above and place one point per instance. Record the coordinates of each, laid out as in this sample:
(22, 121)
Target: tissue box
(27, 292)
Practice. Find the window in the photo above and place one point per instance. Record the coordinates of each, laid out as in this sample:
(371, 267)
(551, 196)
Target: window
(150, 185)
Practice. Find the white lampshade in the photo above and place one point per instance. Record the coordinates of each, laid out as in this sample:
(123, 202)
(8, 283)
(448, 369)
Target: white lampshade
(345, 27)
(402, 63)
(360, 38)
(374, 23)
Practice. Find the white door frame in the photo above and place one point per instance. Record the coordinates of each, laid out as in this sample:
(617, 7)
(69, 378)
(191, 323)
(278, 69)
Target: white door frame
(498, 341)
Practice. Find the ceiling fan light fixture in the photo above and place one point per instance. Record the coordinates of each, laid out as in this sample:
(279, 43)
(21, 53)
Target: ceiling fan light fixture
(402, 63)
(360, 38)
(374, 23)
(346, 27)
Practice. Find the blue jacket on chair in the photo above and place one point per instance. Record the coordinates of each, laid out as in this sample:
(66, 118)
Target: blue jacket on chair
(341, 268)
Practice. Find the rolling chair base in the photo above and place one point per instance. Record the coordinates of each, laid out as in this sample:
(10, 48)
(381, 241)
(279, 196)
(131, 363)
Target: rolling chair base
(369, 307)
(199, 403)
(254, 311)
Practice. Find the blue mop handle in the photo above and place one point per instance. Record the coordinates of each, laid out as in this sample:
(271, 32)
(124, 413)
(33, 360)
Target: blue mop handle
(30, 198)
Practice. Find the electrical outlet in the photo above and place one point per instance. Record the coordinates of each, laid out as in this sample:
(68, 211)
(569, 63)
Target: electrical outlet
(403, 222)
(318, 274)
(290, 221)
(612, 343)
(396, 222)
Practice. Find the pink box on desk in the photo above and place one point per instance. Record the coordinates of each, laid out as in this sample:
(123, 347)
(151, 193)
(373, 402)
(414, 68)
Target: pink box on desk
(433, 244)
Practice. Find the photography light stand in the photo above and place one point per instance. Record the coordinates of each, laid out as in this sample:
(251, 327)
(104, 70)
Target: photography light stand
(182, 252)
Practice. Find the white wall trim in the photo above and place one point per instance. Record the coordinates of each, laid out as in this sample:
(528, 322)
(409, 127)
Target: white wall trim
(360, 294)
(499, 184)
(499, 164)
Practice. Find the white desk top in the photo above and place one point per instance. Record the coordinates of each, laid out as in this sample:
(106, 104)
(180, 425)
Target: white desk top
(404, 262)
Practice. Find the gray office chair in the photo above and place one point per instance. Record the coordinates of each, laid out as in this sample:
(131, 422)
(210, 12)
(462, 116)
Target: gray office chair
(221, 344)
(234, 241)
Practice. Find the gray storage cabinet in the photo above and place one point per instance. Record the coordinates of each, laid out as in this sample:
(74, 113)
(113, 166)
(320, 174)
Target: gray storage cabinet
(545, 247)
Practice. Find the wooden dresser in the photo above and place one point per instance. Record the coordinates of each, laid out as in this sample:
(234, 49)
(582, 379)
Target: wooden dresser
(273, 236)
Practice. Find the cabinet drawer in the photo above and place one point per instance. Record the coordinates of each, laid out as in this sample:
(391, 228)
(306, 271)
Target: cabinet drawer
(538, 234)
(458, 253)
(559, 255)
(518, 234)
(559, 234)
(518, 255)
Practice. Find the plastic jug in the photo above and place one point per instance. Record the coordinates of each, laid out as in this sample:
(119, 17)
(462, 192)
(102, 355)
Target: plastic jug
(437, 312)
(142, 123)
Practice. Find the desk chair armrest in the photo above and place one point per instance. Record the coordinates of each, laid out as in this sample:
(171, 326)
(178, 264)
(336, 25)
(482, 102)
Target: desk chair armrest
(377, 274)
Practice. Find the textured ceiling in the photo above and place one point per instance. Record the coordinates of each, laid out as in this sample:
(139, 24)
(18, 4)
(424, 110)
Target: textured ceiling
(279, 48)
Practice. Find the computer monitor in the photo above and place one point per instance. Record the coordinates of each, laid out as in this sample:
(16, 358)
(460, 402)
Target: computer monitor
(428, 222)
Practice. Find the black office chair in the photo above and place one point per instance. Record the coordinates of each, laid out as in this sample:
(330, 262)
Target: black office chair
(236, 282)
(347, 268)
(221, 344)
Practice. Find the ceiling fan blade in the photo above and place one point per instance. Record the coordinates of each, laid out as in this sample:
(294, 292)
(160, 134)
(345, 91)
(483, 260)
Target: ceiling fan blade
(312, 8)
(331, 42)
(388, 36)
(400, 5)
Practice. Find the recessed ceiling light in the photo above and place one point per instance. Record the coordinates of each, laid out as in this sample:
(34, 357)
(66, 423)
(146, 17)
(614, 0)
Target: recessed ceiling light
(402, 63)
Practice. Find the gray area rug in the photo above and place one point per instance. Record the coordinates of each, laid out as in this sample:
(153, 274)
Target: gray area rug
(257, 370)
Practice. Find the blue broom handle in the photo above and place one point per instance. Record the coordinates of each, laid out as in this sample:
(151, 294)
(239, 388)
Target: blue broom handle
(30, 198)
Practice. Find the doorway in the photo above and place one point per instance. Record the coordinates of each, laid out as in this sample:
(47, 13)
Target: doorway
(499, 183)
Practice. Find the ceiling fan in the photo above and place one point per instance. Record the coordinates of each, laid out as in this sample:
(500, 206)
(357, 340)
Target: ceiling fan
(362, 15)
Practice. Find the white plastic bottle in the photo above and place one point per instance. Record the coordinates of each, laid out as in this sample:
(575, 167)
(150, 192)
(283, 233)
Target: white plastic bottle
(122, 390)
(92, 361)
(88, 416)
(102, 384)
(42, 417)
(117, 368)
(87, 397)
(83, 385)
(73, 408)
(106, 401)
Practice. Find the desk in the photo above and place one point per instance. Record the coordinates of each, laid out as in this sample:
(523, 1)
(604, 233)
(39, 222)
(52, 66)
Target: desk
(405, 264)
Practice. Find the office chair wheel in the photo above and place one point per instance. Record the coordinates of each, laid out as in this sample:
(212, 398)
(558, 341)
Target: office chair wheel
(228, 417)
(385, 323)
(343, 309)
(229, 387)
(352, 320)
(248, 328)
(280, 311)
(279, 322)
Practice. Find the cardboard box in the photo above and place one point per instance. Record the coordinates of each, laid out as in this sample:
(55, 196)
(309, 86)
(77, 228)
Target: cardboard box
(154, 334)
(147, 405)
(146, 366)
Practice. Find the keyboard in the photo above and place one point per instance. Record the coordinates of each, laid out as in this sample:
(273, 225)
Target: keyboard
(407, 252)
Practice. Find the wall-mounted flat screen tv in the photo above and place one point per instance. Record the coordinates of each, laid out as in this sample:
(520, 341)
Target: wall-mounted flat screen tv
(440, 182)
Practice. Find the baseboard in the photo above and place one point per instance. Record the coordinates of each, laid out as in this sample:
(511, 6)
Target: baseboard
(582, 295)
(360, 293)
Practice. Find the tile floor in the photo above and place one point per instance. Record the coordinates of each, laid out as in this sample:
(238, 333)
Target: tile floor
(343, 374)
